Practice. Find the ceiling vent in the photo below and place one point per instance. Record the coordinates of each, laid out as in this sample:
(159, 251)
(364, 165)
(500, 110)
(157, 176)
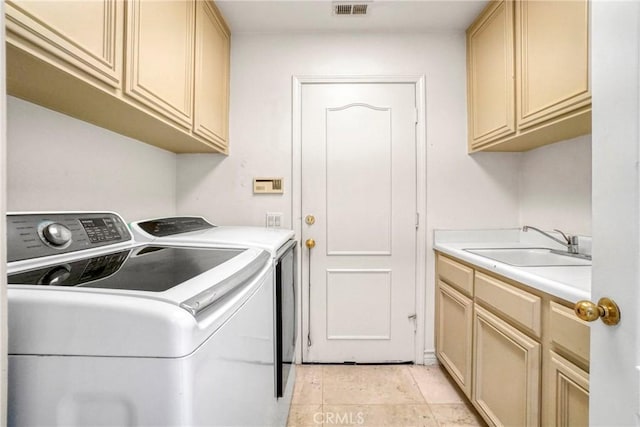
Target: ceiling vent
(344, 9)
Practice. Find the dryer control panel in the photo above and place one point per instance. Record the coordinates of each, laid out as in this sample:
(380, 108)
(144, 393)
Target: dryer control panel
(34, 235)
(162, 227)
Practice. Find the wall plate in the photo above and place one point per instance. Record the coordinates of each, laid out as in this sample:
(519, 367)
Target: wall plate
(268, 185)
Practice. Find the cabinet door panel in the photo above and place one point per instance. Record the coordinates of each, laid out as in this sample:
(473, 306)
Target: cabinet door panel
(84, 34)
(454, 334)
(569, 393)
(212, 75)
(491, 74)
(553, 41)
(506, 384)
(160, 49)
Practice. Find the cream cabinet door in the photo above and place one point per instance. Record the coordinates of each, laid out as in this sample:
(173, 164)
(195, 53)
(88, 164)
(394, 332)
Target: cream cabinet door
(553, 57)
(490, 74)
(212, 75)
(84, 38)
(160, 57)
(568, 394)
(506, 384)
(454, 326)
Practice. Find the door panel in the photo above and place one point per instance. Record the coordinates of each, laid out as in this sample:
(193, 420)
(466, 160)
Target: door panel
(346, 286)
(359, 182)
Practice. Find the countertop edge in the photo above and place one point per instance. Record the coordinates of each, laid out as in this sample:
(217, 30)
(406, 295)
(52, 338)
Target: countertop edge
(552, 287)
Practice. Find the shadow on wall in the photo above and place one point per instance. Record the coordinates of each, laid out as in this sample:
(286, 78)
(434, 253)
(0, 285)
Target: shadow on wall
(500, 173)
(196, 173)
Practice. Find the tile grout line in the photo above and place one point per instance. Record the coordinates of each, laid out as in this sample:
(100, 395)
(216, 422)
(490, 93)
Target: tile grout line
(415, 382)
(433, 415)
(322, 392)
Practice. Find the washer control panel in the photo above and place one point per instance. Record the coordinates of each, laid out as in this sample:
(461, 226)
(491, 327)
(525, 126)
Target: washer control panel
(162, 227)
(43, 234)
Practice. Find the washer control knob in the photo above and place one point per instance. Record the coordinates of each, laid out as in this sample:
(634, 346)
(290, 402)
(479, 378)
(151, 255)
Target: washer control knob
(56, 234)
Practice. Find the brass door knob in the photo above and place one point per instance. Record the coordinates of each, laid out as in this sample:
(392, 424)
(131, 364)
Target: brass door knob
(310, 243)
(605, 309)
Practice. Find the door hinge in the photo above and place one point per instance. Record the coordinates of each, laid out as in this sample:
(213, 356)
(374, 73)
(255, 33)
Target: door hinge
(415, 115)
(417, 220)
(414, 318)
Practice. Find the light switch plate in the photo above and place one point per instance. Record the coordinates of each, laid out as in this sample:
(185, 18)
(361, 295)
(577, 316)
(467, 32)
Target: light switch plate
(274, 220)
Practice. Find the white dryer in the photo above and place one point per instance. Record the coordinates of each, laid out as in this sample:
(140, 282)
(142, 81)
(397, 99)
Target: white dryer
(107, 331)
(280, 243)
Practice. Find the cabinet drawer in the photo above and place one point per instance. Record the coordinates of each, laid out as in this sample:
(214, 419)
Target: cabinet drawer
(518, 305)
(568, 332)
(456, 274)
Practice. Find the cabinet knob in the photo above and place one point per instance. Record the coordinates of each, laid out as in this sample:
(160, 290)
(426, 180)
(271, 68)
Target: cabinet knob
(606, 309)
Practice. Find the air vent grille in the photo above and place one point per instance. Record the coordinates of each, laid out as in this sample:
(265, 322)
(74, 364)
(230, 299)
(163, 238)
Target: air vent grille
(359, 9)
(342, 9)
(345, 9)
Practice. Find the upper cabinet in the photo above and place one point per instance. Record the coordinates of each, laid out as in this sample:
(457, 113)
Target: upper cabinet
(86, 35)
(528, 74)
(211, 120)
(160, 57)
(491, 72)
(156, 71)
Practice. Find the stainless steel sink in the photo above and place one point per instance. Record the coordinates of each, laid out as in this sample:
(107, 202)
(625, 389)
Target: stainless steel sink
(530, 257)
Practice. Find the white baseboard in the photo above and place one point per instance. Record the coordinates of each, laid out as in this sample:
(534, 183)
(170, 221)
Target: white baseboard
(430, 358)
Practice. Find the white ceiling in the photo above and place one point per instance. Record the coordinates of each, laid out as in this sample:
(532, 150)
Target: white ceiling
(268, 16)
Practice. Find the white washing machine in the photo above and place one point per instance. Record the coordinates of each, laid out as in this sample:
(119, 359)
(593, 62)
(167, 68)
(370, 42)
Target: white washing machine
(107, 331)
(197, 231)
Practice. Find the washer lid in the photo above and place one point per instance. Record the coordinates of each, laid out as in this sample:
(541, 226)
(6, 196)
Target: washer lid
(146, 268)
(93, 306)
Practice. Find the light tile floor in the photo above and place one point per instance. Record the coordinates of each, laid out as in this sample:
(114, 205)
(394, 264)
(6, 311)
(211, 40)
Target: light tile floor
(378, 395)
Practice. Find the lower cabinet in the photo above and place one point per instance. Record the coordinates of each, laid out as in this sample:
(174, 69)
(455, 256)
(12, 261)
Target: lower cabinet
(521, 356)
(454, 334)
(568, 393)
(506, 372)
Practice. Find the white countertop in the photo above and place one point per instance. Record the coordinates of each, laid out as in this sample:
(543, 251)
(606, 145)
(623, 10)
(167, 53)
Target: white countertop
(571, 283)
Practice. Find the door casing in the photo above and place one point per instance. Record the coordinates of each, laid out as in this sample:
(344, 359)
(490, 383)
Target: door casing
(421, 195)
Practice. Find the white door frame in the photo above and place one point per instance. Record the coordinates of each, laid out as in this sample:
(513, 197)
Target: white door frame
(4, 348)
(421, 194)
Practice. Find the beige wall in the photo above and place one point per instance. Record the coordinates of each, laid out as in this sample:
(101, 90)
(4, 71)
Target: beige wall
(56, 162)
(555, 186)
(260, 127)
(462, 191)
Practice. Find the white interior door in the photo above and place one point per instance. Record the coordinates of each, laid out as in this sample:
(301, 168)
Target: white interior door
(359, 185)
(615, 350)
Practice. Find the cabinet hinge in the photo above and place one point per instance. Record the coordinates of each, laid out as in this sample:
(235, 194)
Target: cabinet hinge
(417, 220)
(415, 115)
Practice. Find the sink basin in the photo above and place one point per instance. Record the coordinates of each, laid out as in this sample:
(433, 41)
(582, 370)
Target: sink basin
(529, 257)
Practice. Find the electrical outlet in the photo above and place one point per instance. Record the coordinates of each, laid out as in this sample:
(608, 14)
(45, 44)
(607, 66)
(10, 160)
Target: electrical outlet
(274, 219)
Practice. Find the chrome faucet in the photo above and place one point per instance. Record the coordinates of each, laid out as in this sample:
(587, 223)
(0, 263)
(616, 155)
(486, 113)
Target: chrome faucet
(571, 242)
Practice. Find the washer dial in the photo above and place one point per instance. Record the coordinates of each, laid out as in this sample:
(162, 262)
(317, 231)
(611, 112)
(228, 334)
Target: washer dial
(55, 234)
